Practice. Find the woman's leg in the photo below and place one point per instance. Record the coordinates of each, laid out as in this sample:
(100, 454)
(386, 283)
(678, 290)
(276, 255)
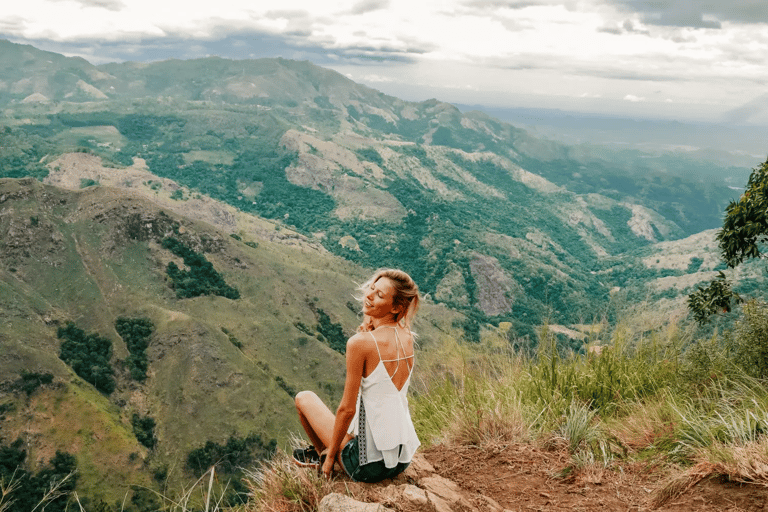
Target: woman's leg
(316, 418)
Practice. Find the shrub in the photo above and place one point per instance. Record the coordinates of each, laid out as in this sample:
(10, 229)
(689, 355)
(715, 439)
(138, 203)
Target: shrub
(200, 279)
(30, 381)
(48, 489)
(144, 430)
(136, 333)
(751, 339)
(332, 332)
(236, 453)
(88, 355)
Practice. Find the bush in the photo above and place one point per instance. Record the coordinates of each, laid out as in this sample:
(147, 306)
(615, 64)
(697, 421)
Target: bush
(30, 381)
(88, 355)
(200, 279)
(31, 490)
(751, 339)
(136, 333)
(332, 332)
(237, 453)
(144, 430)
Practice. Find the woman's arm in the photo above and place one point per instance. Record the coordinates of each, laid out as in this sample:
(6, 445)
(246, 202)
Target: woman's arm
(355, 365)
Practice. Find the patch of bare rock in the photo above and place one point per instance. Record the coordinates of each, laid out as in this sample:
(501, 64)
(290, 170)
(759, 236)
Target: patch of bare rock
(419, 488)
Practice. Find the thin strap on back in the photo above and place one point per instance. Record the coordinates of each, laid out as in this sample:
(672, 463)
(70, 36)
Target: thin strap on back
(405, 357)
(376, 343)
(398, 359)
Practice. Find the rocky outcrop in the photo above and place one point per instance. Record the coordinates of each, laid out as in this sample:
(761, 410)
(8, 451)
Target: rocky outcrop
(495, 289)
(419, 488)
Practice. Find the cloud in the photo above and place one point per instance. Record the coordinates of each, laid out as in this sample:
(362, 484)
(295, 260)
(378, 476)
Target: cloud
(110, 5)
(696, 13)
(375, 79)
(626, 27)
(493, 5)
(633, 98)
(12, 25)
(366, 6)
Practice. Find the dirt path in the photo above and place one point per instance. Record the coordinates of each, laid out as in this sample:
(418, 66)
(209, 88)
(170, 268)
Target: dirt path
(520, 478)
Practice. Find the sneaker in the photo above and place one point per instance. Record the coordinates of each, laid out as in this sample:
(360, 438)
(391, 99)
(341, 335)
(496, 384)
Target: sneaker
(307, 457)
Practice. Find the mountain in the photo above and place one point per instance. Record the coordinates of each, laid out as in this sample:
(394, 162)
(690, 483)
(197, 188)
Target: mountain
(489, 219)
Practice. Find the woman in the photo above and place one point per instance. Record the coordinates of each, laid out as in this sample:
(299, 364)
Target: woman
(371, 435)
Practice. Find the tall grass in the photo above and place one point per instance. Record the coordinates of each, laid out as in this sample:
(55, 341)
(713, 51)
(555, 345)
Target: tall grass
(278, 485)
(482, 395)
(654, 394)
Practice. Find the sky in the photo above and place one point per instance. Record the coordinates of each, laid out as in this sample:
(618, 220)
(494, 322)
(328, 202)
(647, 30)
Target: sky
(672, 59)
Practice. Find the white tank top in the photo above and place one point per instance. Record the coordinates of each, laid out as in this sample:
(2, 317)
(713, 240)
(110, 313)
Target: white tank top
(382, 421)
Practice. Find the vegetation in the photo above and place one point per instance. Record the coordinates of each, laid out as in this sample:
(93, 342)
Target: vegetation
(661, 395)
(716, 297)
(232, 338)
(331, 332)
(230, 460)
(232, 456)
(200, 279)
(88, 355)
(144, 430)
(31, 381)
(744, 231)
(136, 333)
(49, 488)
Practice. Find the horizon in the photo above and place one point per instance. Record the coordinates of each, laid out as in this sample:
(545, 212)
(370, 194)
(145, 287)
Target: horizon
(620, 58)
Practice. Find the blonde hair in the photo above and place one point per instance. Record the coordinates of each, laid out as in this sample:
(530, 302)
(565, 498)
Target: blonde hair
(406, 296)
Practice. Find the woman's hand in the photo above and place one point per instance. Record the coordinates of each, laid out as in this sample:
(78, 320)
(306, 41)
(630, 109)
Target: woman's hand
(327, 468)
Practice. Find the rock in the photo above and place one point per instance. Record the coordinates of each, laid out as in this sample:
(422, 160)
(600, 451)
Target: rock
(491, 504)
(419, 467)
(336, 502)
(414, 495)
(405, 494)
(443, 492)
(439, 504)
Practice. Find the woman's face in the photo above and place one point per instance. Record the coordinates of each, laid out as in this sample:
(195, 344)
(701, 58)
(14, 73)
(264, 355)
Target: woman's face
(378, 299)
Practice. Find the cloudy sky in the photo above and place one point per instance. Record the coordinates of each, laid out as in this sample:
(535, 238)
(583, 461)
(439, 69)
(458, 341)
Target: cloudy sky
(667, 58)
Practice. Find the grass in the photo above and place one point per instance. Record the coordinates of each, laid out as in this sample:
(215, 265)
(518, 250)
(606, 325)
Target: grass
(648, 396)
(281, 486)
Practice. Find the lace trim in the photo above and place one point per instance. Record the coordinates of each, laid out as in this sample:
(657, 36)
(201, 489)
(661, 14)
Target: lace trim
(362, 445)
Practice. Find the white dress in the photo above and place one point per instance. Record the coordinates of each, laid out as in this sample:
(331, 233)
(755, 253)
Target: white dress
(382, 421)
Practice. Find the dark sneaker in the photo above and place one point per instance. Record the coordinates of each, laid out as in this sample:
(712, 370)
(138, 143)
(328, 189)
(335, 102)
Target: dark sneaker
(307, 457)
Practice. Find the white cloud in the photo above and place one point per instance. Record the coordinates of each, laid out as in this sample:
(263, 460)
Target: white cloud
(633, 98)
(375, 79)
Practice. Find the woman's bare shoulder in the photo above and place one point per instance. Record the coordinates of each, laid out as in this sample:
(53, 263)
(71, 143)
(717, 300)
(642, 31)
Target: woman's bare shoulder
(359, 342)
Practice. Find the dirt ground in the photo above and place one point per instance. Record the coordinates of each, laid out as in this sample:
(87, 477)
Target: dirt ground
(521, 478)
